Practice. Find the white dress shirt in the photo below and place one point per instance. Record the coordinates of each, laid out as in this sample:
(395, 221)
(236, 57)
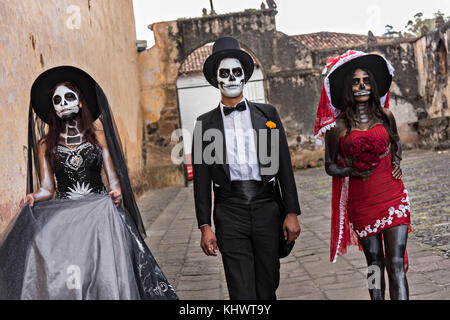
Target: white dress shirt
(241, 145)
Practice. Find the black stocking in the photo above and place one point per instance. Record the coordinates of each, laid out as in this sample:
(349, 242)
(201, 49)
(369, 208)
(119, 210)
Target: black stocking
(373, 250)
(395, 244)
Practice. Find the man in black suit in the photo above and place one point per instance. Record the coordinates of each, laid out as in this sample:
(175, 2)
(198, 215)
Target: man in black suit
(240, 148)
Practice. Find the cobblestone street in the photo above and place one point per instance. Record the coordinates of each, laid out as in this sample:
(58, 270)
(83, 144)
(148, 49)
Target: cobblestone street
(307, 273)
(427, 178)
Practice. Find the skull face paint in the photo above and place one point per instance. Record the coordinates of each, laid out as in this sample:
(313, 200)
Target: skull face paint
(230, 77)
(66, 102)
(361, 91)
(361, 86)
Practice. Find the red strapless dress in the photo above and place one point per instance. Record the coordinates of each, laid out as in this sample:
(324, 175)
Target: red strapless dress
(360, 208)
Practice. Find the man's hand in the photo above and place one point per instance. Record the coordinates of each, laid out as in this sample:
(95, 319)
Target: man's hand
(209, 241)
(291, 227)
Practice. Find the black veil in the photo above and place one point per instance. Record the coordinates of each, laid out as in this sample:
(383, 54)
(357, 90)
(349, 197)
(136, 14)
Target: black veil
(37, 128)
(116, 151)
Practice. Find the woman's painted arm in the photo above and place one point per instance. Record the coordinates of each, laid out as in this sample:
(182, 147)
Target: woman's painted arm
(47, 188)
(113, 179)
(332, 167)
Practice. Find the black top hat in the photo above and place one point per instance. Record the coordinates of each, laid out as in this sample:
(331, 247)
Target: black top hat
(376, 64)
(41, 99)
(226, 47)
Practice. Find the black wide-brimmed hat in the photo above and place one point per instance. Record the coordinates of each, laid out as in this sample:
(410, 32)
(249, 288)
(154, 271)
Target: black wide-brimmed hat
(226, 47)
(41, 99)
(376, 64)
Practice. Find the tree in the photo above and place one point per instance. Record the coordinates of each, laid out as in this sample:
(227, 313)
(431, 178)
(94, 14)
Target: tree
(391, 33)
(417, 26)
(440, 14)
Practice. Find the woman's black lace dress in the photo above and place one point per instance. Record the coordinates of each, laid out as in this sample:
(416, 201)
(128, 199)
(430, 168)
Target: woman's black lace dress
(78, 172)
(79, 246)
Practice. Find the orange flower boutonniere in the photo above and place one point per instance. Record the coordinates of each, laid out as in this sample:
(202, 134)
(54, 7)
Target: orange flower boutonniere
(271, 125)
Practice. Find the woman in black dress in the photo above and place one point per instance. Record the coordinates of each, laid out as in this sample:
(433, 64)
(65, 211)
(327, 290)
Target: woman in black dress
(83, 244)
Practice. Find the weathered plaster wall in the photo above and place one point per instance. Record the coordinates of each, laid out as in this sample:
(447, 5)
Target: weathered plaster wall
(434, 83)
(296, 95)
(34, 36)
(158, 72)
(433, 60)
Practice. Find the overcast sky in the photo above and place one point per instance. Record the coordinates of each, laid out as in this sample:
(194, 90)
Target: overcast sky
(297, 16)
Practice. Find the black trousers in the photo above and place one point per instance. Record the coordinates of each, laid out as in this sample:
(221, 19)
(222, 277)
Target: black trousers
(248, 237)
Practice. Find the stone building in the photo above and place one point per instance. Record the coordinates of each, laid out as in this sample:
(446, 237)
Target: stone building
(292, 71)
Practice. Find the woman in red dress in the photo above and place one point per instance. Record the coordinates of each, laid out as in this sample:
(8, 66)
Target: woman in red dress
(369, 207)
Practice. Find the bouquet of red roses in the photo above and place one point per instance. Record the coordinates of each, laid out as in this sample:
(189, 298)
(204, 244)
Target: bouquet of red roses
(365, 152)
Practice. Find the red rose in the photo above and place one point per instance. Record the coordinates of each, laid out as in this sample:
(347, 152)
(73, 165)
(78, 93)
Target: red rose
(366, 152)
(361, 166)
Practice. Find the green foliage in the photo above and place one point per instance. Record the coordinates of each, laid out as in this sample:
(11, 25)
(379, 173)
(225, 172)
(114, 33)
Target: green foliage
(391, 33)
(419, 25)
(416, 26)
(254, 11)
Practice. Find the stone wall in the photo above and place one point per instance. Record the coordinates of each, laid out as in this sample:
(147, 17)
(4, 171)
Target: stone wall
(96, 36)
(293, 72)
(433, 59)
(434, 133)
(283, 60)
(158, 71)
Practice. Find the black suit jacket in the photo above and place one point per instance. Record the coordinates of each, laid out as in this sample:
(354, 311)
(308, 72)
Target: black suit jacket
(218, 172)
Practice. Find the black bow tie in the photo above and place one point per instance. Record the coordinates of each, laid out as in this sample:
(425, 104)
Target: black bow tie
(240, 107)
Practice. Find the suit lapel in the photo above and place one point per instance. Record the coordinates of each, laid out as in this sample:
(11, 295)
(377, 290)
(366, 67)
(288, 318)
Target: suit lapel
(217, 123)
(259, 120)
